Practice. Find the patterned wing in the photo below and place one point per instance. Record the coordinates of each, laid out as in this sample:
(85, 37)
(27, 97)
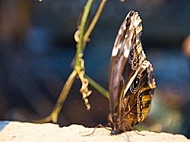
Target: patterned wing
(132, 82)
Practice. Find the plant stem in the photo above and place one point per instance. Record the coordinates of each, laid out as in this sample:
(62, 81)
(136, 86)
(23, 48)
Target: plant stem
(59, 104)
(99, 88)
(79, 63)
(63, 95)
(80, 43)
(94, 21)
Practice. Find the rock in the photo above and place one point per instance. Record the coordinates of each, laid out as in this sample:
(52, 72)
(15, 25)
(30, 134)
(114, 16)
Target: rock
(23, 131)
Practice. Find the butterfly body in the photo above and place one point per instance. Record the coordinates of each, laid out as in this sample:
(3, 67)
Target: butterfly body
(132, 83)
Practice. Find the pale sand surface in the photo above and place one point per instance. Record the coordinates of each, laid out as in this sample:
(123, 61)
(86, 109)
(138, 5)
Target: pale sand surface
(28, 132)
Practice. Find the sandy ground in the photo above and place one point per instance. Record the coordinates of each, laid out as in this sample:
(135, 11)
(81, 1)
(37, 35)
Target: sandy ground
(28, 132)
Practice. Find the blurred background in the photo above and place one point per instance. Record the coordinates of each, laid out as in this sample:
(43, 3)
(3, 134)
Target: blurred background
(37, 48)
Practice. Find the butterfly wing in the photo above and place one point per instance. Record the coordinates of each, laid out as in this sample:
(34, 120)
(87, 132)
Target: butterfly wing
(131, 77)
(136, 98)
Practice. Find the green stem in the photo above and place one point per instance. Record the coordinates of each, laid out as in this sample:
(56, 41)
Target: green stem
(59, 104)
(64, 93)
(79, 52)
(94, 21)
(99, 88)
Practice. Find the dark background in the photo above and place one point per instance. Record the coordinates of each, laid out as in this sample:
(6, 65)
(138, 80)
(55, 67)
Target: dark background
(37, 48)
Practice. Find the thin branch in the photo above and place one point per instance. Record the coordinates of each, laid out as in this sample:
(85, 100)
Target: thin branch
(94, 21)
(59, 104)
(99, 88)
(80, 43)
(64, 93)
(79, 65)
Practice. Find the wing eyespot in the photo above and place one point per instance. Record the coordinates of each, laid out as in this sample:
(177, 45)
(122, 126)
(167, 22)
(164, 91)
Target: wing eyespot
(135, 85)
(131, 56)
(136, 82)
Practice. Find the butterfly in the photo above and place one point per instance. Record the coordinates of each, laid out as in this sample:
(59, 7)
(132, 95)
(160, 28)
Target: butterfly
(132, 83)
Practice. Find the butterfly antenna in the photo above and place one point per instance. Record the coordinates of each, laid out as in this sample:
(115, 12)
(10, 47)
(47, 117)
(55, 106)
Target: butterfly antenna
(98, 126)
(137, 132)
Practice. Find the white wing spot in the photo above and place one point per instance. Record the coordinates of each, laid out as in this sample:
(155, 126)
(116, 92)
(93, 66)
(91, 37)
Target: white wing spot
(115, 51)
